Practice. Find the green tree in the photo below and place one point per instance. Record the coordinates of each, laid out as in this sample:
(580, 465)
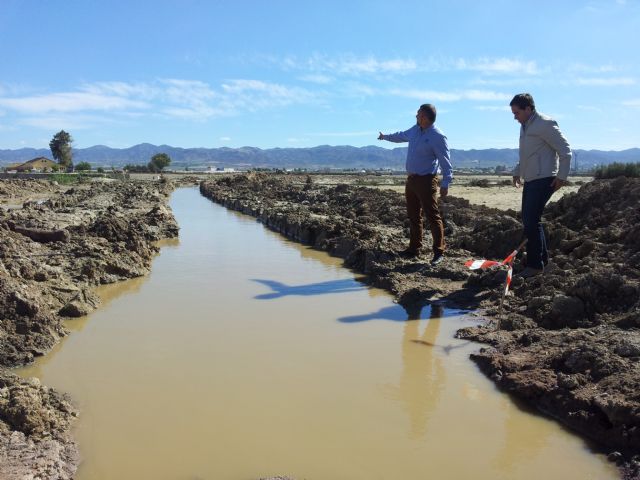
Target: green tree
(158, 162)
(60, 146)
(83, 166)
(613, 170)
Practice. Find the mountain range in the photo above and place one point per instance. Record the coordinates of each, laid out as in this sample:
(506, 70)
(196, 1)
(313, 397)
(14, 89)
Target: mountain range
(320, 157)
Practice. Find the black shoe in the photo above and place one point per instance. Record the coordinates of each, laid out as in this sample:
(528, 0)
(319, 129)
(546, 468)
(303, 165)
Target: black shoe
(437, 258)
(408, 253)
(529, 272)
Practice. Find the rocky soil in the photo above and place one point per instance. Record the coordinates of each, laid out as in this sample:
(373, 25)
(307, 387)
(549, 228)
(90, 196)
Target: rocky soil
(567, 343)
(53, 252)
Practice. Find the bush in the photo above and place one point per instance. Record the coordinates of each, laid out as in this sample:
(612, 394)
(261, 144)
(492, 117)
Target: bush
(618, 170)
(83, 167)
(480, 182)
(63, 179)
(136, 168)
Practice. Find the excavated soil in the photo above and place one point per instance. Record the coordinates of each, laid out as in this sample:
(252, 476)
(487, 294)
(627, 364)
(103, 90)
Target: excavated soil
(53, 252)
(567, 343)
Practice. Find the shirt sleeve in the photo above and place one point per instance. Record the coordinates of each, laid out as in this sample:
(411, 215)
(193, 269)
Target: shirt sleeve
(398, 137)
(555, 139)
(441, 149)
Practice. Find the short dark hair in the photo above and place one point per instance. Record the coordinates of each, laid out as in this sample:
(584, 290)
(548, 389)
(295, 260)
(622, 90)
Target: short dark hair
(429, 110)
(522, 101)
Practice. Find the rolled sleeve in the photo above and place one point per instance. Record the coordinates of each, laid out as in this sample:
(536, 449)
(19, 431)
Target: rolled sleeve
(441, 149)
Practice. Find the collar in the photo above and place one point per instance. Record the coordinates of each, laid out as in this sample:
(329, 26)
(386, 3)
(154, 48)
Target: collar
(533, 116)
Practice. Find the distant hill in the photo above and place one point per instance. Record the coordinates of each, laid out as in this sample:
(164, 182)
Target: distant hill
(324, 156)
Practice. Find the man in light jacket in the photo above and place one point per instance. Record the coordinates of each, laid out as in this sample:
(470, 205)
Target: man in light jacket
(545, 159)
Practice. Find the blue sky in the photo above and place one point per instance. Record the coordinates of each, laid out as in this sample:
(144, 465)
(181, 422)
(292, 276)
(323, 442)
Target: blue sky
(299, 74)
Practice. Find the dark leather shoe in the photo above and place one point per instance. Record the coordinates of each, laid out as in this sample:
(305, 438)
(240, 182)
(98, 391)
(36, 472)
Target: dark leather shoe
(408, 253)
(437, 258)
(529, 272)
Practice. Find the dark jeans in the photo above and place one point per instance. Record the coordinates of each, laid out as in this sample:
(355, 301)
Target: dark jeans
(421, 193)
(535, 195)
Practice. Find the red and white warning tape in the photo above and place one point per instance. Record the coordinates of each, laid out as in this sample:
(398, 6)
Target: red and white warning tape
(476, 264)
(507, 282)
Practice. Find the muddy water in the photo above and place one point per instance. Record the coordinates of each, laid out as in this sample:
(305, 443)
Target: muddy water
(244, 355)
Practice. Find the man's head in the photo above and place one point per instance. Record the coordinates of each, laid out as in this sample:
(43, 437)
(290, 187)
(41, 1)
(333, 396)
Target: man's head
(426, 115)
(522, 106)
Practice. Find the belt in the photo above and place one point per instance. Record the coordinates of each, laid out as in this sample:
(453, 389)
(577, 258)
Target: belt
(415, 175)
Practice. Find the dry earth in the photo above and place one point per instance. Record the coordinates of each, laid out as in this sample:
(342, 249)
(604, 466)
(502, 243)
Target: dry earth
(53, 252)
(568, 343)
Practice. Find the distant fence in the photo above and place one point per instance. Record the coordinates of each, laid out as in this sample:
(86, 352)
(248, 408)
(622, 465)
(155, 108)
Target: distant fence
(47, 176)
(39, 176)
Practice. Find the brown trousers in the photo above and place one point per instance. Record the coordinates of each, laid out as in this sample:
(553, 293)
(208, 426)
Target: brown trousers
(421, 192)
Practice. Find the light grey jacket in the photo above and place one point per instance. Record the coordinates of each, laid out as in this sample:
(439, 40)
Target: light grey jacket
(544, 152)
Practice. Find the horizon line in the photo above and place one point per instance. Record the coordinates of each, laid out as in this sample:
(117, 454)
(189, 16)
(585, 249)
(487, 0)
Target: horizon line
(298, 148)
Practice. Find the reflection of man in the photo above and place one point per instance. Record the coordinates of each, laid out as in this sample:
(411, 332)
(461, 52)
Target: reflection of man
(428, 150)
(423, 372)
(545, 158)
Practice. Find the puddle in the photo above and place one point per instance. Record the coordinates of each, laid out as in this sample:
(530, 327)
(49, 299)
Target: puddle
(245, 355)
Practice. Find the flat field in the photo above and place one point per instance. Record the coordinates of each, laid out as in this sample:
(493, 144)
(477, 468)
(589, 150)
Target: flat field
(495, 191)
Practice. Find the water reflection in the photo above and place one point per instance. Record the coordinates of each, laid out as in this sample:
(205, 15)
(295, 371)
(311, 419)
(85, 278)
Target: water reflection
(397, 313)
(518, 442)
(423, 375)
(280, 289)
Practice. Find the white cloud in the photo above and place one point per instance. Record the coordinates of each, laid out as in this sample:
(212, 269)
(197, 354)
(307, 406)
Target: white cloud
(359, 89)
(455, 96)
(493, 108)
(493, 66)
(317, 78)
(343, 134)
(224, 139)
(64, 121)
(372, 65)
(428, 95)
(347, 64)
(582, 68)
(252, 95)
(589, 108)
(175, 98)
(296, 140)
(606, 82)
(70, 102)
(122, 89)
(635, 102)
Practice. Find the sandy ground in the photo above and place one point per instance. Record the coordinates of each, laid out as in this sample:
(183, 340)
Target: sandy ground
(502, 197)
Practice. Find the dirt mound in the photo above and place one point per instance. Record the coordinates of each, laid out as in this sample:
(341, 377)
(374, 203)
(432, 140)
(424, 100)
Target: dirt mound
(568, 341)
(25, 187)
(52, 253)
